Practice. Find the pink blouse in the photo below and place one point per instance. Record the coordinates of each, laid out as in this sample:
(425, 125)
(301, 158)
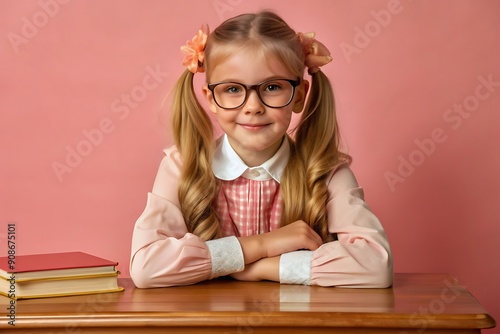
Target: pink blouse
(165, 254)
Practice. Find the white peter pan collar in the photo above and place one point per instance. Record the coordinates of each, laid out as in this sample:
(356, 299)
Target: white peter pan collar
(227, 165)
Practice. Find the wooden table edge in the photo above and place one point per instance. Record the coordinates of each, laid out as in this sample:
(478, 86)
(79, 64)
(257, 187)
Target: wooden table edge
(271, 319)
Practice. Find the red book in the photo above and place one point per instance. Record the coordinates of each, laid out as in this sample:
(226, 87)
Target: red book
(53, 261)
(56, 274)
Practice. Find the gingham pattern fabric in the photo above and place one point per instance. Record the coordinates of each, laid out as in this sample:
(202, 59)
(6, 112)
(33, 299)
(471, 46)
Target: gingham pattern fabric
(248, 207)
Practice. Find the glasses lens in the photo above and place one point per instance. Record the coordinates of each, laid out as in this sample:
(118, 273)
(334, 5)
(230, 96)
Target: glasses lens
(276, 93)
(229, 95)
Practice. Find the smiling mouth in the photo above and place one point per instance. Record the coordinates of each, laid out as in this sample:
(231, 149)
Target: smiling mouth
(254, 127)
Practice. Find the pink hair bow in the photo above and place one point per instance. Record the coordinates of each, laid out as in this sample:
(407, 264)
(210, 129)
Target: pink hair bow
(316, 52)
(195, 50)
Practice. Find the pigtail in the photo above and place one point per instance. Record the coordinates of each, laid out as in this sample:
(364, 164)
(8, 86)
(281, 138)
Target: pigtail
(316, 146)
(293, 193)
(193, 135)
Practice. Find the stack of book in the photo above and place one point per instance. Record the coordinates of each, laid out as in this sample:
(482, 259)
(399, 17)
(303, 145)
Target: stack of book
(56, 274)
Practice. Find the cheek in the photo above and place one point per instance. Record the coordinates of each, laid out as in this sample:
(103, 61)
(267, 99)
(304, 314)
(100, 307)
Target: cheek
(284, 117)
(224, 116)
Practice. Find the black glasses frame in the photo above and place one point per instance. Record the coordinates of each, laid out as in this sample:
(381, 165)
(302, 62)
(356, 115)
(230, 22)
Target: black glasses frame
(256, 87)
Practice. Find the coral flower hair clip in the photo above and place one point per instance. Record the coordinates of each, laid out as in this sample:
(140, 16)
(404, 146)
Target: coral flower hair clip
(317, 54)
(195, 50)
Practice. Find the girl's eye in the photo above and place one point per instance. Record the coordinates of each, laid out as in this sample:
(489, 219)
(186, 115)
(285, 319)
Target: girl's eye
(233, 89)
(272, 87)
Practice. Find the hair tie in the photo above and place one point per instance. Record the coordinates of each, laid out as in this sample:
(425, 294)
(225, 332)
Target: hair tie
(316, 53)
(195, 50)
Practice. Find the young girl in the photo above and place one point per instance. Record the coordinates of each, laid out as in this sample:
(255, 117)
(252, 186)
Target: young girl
(256, 203)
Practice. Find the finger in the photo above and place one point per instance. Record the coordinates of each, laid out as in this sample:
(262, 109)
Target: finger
(316, 238)
(311, 234)
(310, 241)
(315, 241)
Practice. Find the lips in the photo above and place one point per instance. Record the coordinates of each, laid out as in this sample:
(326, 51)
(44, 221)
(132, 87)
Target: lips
(254, 127)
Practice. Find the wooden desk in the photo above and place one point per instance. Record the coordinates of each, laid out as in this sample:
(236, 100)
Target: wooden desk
(430, 303)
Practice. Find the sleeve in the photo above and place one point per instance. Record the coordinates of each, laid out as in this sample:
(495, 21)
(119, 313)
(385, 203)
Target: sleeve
(163, 252)
(361, 255)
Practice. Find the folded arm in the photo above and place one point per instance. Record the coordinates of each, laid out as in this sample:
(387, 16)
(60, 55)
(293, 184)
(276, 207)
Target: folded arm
(360, 257)
(163, 252)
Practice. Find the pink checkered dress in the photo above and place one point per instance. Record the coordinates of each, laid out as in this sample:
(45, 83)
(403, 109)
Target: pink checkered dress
(248, 207)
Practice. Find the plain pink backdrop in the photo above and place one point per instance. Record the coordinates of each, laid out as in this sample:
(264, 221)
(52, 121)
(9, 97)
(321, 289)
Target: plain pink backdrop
(415, 108)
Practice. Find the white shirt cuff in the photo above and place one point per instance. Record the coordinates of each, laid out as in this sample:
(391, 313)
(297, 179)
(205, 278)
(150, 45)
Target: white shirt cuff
(226, 255)
(295, 267)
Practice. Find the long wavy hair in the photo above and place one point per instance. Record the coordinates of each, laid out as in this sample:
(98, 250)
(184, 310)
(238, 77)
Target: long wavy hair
(314, 142)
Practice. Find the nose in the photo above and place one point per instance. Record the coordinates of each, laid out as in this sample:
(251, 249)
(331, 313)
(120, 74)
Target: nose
(253, 103)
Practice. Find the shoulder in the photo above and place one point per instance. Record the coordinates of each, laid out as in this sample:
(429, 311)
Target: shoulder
(172, 159)
(173, 154)
(341, 179)
(168, 173)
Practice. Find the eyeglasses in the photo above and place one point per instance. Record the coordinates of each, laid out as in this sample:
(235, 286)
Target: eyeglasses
(274, 93)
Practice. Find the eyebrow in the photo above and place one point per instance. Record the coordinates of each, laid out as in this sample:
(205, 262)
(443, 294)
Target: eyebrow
(264, 80)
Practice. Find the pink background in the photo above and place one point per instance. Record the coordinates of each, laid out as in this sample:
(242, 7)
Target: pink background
(75, 76)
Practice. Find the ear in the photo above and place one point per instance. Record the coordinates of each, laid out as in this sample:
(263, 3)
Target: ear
(210, 99)
(300, 96)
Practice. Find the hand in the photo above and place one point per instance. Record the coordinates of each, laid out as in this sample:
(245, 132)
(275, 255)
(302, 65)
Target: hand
(292, 237)
(263, 269)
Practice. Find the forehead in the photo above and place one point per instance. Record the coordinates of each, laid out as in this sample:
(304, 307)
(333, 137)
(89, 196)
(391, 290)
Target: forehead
(247, 65)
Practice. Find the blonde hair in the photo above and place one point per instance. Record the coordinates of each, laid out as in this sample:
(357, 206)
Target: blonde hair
(314, 146)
